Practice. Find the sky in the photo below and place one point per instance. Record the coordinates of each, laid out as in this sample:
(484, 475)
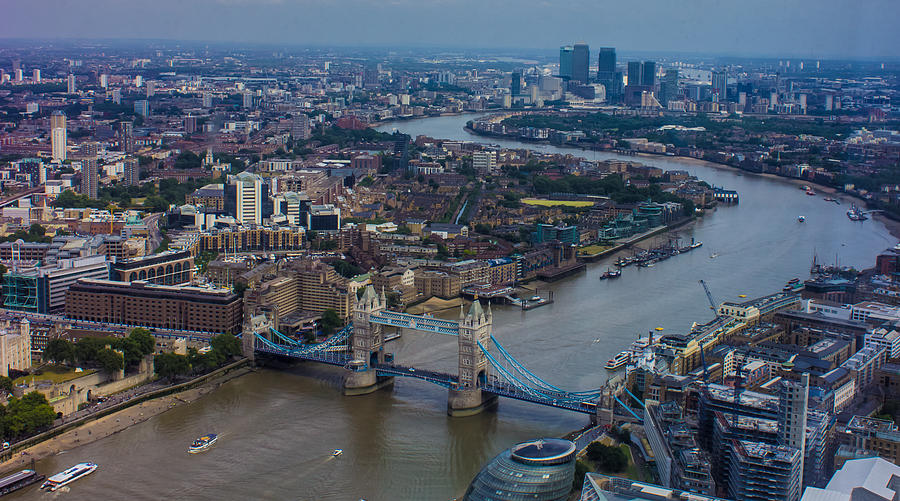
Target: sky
(860, 29)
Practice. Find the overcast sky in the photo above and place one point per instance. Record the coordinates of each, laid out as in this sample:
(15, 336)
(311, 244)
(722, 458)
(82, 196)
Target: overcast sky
(807, 28)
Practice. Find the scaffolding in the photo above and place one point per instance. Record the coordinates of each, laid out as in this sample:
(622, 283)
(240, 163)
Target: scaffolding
(20, 292)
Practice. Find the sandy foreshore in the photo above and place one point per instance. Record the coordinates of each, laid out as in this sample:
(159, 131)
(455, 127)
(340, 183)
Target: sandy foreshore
(113, 423)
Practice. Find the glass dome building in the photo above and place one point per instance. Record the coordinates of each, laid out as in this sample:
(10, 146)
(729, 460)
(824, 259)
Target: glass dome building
(540, 470)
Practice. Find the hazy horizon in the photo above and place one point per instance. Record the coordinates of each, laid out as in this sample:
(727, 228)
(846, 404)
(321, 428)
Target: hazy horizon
(823, 29)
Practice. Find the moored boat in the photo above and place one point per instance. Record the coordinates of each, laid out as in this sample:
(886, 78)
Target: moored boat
(19, 480)
(203, 443)
(801, 218)
(618, 361)
(68, 476)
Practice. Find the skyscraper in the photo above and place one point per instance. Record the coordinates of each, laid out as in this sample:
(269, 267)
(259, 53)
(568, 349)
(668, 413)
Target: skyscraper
(132, 171)
(606, 72)
(70, 84)
(207, 100)
(719, 86)
(515, 83)
(566, 61)
(104, 80)
(244, 198)
(151, 88)
(89, 177)
(58, 135)
(635, 73)
(581, 59)
(247, 99)
(648, 74)
(668, 88)
(142, 107)
(126, 136)
(793, 409)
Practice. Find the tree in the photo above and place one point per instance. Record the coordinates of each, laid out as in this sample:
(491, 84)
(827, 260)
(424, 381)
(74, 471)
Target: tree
(607, 458)
(110, 360)
(60, 351)
(145, 341)
(226, 344)
(6, 384)
(171, 365)
(26, 415)
(330, 321)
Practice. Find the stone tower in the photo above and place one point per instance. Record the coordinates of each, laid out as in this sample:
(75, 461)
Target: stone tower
(474, 328)
(367, 344)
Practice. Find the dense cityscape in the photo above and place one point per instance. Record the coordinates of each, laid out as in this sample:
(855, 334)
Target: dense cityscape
(295, 253)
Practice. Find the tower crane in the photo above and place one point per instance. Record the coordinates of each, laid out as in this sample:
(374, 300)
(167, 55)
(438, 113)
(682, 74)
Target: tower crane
(712, 305)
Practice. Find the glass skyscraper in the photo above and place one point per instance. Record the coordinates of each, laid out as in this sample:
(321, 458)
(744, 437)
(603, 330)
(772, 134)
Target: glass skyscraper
(581, 60)
(566, 60)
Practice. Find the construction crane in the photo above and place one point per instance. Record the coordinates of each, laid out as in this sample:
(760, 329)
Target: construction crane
(712, 305)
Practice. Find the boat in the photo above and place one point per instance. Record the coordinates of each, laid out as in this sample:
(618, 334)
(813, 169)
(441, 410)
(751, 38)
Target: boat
(793, 280)
(811, 193)
(714, 255)
(856, 214)
(19, 480)
(610, 274)
(337, 452)
(829, 199)
(618, 361)
(696, 245)
(801, 218)
(535, 298)
(203, 443)
(68, 476)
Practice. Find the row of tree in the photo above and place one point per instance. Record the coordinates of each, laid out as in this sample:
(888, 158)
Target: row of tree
(25, 416)
(172, 365)
(107, 353)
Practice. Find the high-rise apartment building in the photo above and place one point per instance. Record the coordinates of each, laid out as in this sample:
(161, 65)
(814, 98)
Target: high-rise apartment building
(58, 135)
(581, 60)
(792, 412)
(207, 100)
(126, 136)
(719, 86)
(142, 107)
(151, 88)
(19, 75)
(36, 75)
(89, 177)
(247, 99)
(566, 61)
(104, 81)
(484, 161)
(300, 127)
(70, 84)
(132, 171)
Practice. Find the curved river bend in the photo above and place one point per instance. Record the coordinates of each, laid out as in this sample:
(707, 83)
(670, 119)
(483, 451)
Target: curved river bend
(277, 429)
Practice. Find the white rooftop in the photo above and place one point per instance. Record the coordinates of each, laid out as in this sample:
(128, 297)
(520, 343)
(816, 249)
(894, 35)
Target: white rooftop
(860, 480)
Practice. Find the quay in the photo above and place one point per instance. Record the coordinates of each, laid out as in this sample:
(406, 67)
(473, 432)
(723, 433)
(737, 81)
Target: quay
(506, 295)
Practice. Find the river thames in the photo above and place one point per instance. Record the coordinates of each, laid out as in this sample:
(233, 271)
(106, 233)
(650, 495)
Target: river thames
(277, 428)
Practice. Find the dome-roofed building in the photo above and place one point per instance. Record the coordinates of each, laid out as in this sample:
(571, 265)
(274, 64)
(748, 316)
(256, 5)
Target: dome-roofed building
(540, 470)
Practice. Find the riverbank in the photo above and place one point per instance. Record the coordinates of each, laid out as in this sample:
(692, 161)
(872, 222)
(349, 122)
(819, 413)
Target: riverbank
(93, 428)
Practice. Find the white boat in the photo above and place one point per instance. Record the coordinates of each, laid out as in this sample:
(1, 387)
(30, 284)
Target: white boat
(203, 443)
(801, 218)
(619, 360)
(337, 452)
(68, 476)
(714, 255)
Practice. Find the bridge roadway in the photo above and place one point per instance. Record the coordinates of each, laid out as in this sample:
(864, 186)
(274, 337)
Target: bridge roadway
(417, 322)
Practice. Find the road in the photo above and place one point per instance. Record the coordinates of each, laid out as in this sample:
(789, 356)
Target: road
(152, 222)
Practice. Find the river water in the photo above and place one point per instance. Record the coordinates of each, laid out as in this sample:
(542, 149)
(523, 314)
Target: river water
(278, 428)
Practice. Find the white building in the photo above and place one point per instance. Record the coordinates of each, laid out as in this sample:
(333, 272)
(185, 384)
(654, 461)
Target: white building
(484, 161)
(70, 84)
(829, 309)
(887, 338)
(248, 198)
(15, 347)
(874, 312)
(869, 479)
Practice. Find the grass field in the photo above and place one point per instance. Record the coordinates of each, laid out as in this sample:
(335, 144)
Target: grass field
(594, 249)
(551, 203)
(54, 373)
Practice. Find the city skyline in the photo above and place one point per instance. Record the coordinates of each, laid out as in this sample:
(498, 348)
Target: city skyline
(864, 33)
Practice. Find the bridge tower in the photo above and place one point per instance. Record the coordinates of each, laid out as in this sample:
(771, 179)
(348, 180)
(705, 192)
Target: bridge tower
(254, 325)
(367, 344)
(474, 328)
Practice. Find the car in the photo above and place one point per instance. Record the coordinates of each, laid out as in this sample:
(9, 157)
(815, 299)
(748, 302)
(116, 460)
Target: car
(412, 370)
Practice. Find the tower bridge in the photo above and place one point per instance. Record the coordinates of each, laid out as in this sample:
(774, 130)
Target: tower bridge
(485, 369)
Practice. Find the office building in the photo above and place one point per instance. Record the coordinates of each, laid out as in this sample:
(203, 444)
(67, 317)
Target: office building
(541, 470)
(142, 107)
(104, 80)
(155, 306)
(719, 86)
(323, 218)
(561, 232)
(190, 124)
(19, 75)
(164, 268)
(635, 73)
(70, 84)
(668, 88)
(648, 74)
(58, 135)
(885, 337)
(764, 472)
(599, 487)
(581, 60)
(607, 74)
(246, 197)
(132, 172)
(515, 83)
(42, 289)
(89, 177)
(881, 436)
(36, 75)
(566, 61)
